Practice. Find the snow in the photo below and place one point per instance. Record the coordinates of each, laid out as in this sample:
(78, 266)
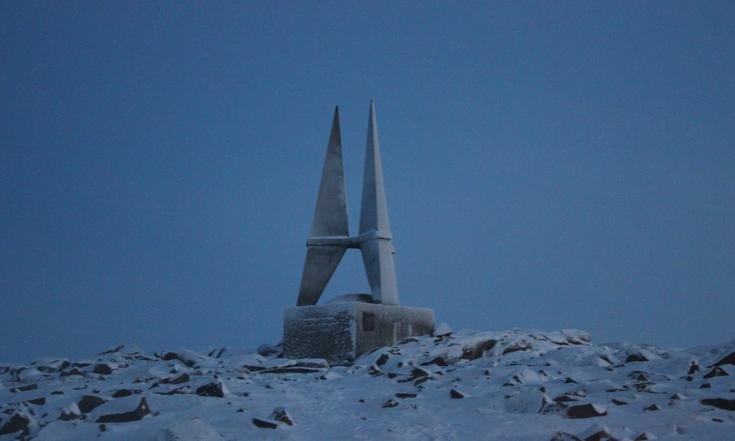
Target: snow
(511, 385)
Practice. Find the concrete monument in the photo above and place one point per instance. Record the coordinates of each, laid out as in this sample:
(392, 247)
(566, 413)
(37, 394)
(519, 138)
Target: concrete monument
(353, 324)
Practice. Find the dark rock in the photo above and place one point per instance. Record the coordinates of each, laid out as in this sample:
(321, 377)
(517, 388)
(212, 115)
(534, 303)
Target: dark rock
(16, 423)
(214, 389)
(564, 399)
(37, 401)
(280, 414)
(383, 359)
(727, 359)
(439, 361)
(563, 436)
(645, 436)
(635, 357)
(455, 394)
(652, 408)
(390, 403)
(693, 368)
(71, 372)
(89, 402)
(601, 435)
(267, 350)
(183, 378)
(178, 391)
(586, 411)
(477, 350)
(617, 402)
(405, 395)
(71, 412)
(416, 373)
(125, 417)
(720, 403)
(264, 424)
(182, 357)
(517, 346)
(57, 392)
(569, 381)
(715, 372)
(102, 369)
(121, 393)
(25, 388)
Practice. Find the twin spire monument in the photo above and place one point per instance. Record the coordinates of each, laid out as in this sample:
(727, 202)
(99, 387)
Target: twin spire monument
(353, 324)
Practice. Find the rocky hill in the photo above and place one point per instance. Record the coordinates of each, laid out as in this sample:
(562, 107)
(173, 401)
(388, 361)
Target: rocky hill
(513, 385)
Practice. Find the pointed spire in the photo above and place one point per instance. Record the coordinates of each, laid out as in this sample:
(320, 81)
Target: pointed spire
(330, 215)
(374, 211)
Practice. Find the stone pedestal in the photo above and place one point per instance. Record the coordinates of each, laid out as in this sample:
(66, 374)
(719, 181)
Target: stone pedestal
(340, 332)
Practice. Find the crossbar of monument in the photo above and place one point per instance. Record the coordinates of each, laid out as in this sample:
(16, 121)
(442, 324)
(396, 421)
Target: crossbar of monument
(352, 324)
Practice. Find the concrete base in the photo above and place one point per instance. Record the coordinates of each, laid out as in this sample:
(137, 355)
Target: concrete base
(341, 332)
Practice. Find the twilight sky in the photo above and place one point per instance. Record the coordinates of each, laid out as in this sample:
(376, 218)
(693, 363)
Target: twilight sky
(548, 165)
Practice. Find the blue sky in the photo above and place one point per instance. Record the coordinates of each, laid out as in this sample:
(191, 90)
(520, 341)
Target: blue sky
(548, 165)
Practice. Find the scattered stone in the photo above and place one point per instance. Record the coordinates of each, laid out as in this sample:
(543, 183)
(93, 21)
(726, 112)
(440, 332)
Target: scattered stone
(214, 389)
(280, 414)
(569, 381)
(183, 378)
(125, 417)
(89, 402)
(645, 436)
(267, 350)
(617, 402)
(563, 436)
(25, 388)
(727, 359)
(586, 411)
(652, 408)
(71, 372)
(455, 394)
(598, 433)
(720, 403)
(390, 403)
(403, 395)
(693, 368)
(416, 373)
(383, 359)
(18, 422)
(516, 346)
(478, 349)
(264, 424)
(705, 385)
(71, 412)
(715, 372)
(102, 369)
(439, 361)
(121, 393)
(37, 401)
(635, 357)
(443, 330)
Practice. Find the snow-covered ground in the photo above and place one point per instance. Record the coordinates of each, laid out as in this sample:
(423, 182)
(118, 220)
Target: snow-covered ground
(513, 385)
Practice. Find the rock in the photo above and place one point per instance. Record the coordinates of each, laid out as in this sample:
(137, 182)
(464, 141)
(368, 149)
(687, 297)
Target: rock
(383, 359)
(635, 357)
(439, 361)
(618, 402)
(121, 393)
(189, 358)
(37, 401)
(478, 349)
(71, 372)
(404, 395)
(183, 378)
(693, 368)
(416, 373)
(652, 408)
(586, 411)
(715, 372)
(563, 436)
(443, 330)
(390, 403)
(264, 424)
(71, 412)
(645, 436)
(214, 389)
(89, 402)
(25, 388)
(727, 359)
(720, 403)
(598, 433)
(267, 350)
(102, 369)
(125, 417)
(18, 422)
(280, 414)
(455, 394)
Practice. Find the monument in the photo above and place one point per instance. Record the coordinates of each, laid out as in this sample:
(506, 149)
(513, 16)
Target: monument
(352, 324)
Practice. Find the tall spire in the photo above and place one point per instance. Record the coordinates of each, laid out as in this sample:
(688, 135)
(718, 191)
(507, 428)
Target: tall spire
(330, 215)
(377, 249)
(330, 220)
